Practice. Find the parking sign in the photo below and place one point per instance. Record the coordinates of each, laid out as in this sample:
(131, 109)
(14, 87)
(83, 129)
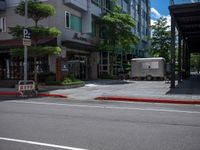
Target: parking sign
(26, 37)
(27, 33)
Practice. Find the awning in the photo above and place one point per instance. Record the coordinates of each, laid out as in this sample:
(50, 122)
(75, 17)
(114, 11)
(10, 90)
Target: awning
(187, 17)
(5, 45)
(79, 46)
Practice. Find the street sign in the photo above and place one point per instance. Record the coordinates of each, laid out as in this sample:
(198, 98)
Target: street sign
(26, 42)
(26, 33)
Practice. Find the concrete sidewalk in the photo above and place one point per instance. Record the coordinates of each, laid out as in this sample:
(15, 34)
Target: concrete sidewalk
(188, 90)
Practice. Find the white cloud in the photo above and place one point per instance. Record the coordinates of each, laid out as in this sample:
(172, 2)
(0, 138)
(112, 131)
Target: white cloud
(155, 14)
(168, 20)
(153, 22)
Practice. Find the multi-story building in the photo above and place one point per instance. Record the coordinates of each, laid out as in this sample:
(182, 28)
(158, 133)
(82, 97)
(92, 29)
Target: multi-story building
(80, 35)
(140, 11)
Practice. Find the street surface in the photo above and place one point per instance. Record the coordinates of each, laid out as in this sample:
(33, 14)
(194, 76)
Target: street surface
(55, 124)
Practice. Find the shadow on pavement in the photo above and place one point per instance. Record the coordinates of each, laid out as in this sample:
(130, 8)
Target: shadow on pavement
(10, 98)
(189, 86)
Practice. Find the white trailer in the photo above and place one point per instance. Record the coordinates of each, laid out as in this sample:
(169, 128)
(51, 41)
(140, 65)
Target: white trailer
(148, 68)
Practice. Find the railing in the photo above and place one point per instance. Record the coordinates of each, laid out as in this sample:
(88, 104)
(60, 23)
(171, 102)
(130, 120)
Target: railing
(178, 2)
(81, 4)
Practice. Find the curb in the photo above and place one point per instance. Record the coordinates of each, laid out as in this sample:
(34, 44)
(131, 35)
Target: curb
(40, 94)
(149, 100)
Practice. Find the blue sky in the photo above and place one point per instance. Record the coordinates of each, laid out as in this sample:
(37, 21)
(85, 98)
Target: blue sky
(159, 8)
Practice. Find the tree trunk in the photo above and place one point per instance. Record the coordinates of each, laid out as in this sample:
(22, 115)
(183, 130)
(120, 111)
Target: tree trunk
(111, 63)
(112, 59)
(35, 69)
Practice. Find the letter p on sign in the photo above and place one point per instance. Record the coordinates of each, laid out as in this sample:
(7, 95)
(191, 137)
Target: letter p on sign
(27, 33)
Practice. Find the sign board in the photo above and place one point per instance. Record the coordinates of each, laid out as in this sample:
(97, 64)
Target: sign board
(26, 42)
(26, 33)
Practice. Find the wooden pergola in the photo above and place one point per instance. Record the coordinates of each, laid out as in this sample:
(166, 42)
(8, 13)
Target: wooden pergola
(186, 19)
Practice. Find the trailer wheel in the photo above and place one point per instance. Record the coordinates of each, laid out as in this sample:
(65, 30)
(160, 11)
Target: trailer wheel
(149, 78)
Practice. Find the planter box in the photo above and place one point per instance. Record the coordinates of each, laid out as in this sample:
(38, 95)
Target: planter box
(57, 87)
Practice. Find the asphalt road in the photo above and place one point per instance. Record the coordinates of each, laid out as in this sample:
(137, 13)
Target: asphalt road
(54, 124)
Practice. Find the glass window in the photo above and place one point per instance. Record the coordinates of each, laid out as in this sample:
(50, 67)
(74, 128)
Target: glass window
(73, 22)
(97, 2)
(67, 19)
(2, 24)
(76, 23)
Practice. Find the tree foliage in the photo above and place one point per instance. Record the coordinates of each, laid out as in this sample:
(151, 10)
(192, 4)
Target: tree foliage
(161, 39)
(195, 62)
(38, 32)
(37, 51)
(36, 11)
(116, 28)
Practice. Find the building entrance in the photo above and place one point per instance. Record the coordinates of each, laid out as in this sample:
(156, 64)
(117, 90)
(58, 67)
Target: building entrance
(78, 66)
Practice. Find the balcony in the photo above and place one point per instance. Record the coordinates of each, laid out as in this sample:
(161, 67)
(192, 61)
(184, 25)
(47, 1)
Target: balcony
(179, 2)
(77, 4)
(2, 5)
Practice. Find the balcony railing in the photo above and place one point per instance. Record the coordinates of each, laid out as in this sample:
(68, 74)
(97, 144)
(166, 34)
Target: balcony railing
(78, 4)
(179, 2)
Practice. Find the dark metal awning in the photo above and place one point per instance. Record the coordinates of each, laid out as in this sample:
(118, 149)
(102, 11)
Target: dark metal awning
(187, 17)
(79, 46)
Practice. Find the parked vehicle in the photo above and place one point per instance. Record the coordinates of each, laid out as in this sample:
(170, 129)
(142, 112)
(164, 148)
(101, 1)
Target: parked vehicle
(148, 68)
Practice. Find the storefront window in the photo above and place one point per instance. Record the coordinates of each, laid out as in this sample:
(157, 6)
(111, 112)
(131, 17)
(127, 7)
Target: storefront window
(12, 67)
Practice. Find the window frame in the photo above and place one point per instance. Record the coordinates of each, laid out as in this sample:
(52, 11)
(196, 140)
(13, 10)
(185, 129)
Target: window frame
(69, 21)
(3, 24)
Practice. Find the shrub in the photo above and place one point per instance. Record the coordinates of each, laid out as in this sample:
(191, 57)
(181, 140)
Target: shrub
(70, 79)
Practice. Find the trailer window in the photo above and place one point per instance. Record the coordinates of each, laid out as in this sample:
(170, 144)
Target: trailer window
(150, 65)
(154, 65)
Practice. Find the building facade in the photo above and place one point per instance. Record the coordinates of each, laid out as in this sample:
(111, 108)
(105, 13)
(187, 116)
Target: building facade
(80, 35)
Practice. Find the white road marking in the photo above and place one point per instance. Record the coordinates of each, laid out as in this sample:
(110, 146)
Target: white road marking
(40, 144)
(106, 107)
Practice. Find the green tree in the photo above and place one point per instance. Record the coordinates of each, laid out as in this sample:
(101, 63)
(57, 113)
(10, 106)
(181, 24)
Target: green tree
(195, 62)
(36, 11)
(161, 39)
(116, 28)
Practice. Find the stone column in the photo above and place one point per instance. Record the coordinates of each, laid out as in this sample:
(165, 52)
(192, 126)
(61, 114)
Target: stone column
(173, 38)
(179, 58)
(94, 61)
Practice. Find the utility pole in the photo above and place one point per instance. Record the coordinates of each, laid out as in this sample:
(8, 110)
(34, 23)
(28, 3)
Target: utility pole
(25, 46)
